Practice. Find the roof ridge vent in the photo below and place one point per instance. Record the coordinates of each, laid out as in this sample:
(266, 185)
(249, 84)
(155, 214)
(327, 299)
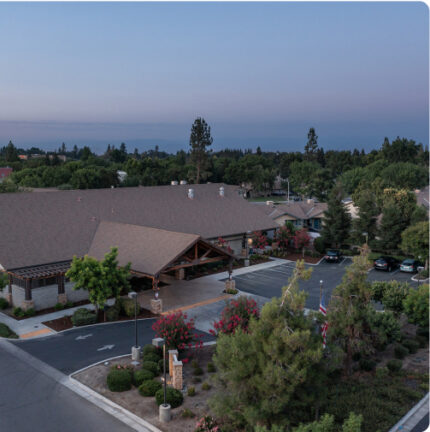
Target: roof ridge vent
(190, 193)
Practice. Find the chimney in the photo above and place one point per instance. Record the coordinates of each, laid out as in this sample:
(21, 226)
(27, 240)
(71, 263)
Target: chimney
(310, 201)
(190, 193)
(221, 191)
(174, 182)
(183, 182)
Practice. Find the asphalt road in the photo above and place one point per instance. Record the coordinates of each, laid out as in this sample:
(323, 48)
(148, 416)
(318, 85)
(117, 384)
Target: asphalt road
(33, 401)
(77, 348)
(269, 282)
(422, 425)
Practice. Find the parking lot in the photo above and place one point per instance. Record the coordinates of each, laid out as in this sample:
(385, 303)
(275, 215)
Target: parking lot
(269, 282)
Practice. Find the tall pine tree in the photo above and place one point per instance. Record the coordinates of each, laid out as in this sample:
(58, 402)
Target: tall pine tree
(367, 215)
(392, 225)
(337, 221)
(200, 140)
(311, 146)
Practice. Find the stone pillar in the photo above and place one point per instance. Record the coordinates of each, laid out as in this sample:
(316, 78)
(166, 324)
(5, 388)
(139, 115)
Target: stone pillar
(180, 274)
(62, 296)
(156, 306)
(28, 302)
(172, 353)
(230, 284)
(177, 375)
(8, 295)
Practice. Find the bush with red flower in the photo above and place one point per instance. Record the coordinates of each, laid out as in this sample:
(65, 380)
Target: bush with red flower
(224, 244)
(260, 240)
(236, 314)
(176, 331)
(284, 235)
(302, 239)
(207, 424)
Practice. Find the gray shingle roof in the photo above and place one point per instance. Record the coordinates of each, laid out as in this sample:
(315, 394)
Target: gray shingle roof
(45, 227)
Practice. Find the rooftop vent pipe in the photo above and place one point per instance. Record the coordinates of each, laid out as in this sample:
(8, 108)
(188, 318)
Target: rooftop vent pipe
(190, 193)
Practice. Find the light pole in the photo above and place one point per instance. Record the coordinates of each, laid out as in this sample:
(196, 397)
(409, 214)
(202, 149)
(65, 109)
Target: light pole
(164, 413)
(135, 351)
(248, 244)
(321, 289)
(288, 193)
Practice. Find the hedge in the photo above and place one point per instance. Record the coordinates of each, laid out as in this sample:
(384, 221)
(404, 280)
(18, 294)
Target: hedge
(160, 365)
(400, 351)
(4, 304)
(149, 388)
(394, 365)
(411, 345)
(119, 380)
(83, 317)
(127, 307)
(152, 357)
(150, 349)
(151, 366)
(173, 397)
(142, 375)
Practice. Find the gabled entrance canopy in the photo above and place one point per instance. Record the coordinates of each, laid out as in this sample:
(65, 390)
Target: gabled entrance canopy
(153, 251)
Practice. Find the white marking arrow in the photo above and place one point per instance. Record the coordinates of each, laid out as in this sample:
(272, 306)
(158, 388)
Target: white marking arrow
(83, 337)
(106, 347)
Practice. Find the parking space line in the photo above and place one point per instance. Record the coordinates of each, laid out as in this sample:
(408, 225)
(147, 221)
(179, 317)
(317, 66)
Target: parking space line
(395, 272)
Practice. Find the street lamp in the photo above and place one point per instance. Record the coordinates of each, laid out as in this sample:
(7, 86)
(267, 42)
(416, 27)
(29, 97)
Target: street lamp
(135, 351)
(321, 289)
(164, 412)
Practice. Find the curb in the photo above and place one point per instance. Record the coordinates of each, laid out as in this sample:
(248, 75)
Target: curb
(110, 407)
(399, 425)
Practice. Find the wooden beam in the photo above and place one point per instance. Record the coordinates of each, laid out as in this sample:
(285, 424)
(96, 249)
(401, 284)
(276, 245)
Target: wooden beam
(195, 262)
(196, 251)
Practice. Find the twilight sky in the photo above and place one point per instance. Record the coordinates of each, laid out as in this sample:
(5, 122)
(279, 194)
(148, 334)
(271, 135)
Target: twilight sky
(259, 73)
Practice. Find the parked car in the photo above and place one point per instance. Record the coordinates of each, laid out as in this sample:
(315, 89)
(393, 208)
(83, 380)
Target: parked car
(410, 266)
(333, 256)
(385, 263)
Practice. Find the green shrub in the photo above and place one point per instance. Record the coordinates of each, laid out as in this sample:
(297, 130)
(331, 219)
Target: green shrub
(152, 357)
(150, 349)
(112, 314)
(194, 364)
(59, 306)
(411, 344)
(381, 372)
(29, 312)
(394, 365)
(6, 332)
(367, 364)
(400, 351)
(173, 397)
(142, 375)
(4, 304)
(18, 312)
(187, 413)
(394, 295)
(69, 304)
(119, 380)
(83, 317)
(387, 323)
(198, 371)
(149, 388)
(319, 245)
(197, 380)
(422, 341)
(127, 307)
(191, 391)
(211, 367)
(416, 306)
(160, 366)
(151, 366)
(206, 386)
(378, 290)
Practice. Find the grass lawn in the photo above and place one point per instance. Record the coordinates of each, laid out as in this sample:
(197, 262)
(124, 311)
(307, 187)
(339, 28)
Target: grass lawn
(382, 400)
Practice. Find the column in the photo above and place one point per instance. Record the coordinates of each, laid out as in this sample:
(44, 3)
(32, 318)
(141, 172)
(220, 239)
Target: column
(28, 302)
(156, 303)
(62, 296)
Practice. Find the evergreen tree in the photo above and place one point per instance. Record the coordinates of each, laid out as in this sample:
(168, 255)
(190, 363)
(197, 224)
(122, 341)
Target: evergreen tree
(349, 311)
(271, 375)
(311, 146)
(367, 215)
(415, 241)
(337, 221)
(392, 226)
(11, 153)
(200, 140)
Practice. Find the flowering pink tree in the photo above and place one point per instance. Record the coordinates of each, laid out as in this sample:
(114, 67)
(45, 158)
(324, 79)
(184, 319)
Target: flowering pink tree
(284, 235)
(302, 239)
(207, 424)
(224, 244)
(260, 240)
(176, 331)
(236, 315)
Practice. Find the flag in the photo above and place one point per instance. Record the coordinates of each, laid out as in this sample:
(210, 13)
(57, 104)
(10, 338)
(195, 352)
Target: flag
(324, 327)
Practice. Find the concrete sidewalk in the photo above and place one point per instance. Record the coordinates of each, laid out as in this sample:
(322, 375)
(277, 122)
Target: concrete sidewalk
(33, 327)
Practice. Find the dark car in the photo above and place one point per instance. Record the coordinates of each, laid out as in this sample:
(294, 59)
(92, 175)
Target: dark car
(385, 263)
(409, 266)
(333, 256)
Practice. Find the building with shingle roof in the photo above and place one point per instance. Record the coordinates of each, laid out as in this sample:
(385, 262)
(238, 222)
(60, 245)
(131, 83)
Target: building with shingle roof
(151, 226)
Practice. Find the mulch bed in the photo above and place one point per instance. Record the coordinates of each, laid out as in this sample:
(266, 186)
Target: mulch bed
(65, 322)
(44, 311)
